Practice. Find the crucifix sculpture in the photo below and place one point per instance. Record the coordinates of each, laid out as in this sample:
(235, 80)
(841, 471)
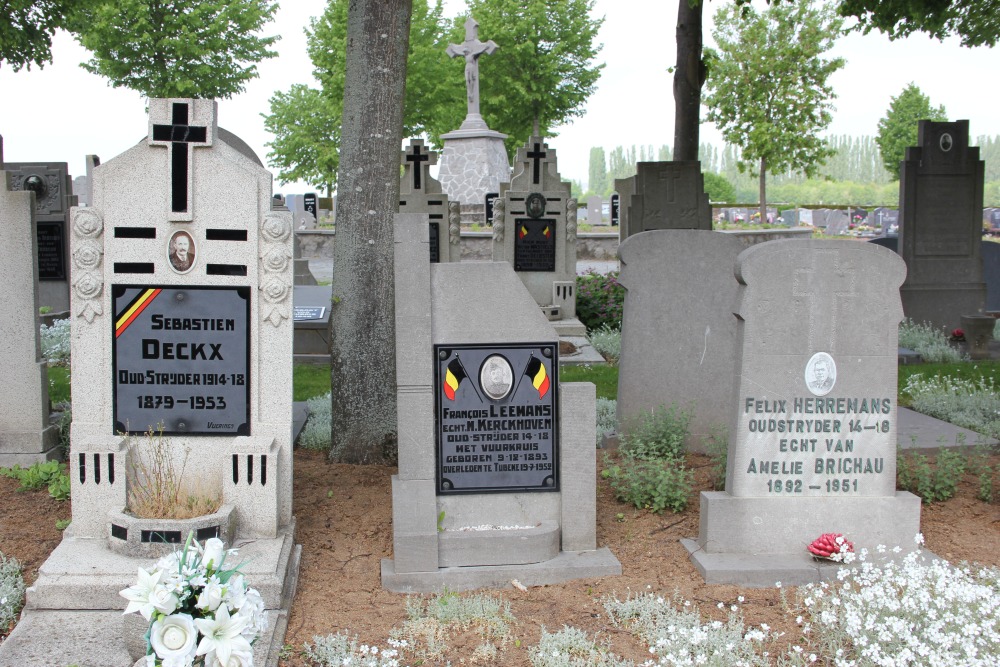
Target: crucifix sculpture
(471, 49)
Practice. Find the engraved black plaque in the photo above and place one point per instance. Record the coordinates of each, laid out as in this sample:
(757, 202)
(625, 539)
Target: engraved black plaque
(616, 213)
(181, 358)
(490, 198)
(534, 244)
(51, 250)
(310, 205)
(497, 417)
(435, 242)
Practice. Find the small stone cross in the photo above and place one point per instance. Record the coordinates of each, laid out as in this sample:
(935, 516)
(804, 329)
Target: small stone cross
(176, 136)
(471, 49)
(537, 155)
(419, 161)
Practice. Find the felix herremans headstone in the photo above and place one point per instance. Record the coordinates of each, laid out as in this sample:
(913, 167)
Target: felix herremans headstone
(812, 445)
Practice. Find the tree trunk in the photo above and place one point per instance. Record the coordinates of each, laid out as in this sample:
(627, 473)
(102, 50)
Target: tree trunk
(689, 75)
(763, 191)
(363, 357)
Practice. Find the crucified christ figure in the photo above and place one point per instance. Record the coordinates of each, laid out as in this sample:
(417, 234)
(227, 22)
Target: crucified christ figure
(471, 49)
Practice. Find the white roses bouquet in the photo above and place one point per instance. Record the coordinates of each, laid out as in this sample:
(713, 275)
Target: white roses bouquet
(198, 612)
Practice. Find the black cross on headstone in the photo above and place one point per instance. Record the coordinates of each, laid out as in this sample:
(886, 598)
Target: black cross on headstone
(537, 155)
(180, 134)
(416, 157)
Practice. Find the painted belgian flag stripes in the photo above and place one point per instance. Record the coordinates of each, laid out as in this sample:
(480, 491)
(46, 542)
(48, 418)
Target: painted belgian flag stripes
(539, 378)
(453, 376)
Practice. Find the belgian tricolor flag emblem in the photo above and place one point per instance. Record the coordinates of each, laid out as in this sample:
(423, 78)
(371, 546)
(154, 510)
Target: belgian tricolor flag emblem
(535, 370)
(547, 232)
(453, 376)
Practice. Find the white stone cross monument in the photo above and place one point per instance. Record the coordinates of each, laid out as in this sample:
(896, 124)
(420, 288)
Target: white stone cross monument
(471, 49)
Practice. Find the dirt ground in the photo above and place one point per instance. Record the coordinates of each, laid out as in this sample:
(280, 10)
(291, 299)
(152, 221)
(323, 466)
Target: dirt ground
(344, 516)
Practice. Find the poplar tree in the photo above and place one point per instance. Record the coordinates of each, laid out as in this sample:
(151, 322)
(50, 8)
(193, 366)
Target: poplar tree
(898, 128)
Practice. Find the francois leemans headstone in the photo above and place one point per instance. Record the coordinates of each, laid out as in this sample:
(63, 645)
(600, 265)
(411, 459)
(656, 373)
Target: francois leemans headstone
(812, 444)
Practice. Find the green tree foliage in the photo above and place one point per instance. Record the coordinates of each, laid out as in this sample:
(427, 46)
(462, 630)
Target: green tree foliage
(177, 48)
(306, 121)
(767, 85)
(718, 188)
(989, 152)
(855, 159)
(898, 129)
(597, 177)
(977, 22)
(544, 68)
(27, 28)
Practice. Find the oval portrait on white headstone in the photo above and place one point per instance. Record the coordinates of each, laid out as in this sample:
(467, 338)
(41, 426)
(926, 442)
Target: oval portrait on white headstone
(181, 252)
(496, 377)
(821, 374)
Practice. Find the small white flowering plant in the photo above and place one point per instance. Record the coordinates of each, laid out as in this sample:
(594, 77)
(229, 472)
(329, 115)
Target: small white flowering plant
(200, 613)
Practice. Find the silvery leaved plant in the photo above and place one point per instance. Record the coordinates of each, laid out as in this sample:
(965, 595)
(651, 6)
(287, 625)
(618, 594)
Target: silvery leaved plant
(909, 611)
(970, 403)
(199, 613)
(55, 341)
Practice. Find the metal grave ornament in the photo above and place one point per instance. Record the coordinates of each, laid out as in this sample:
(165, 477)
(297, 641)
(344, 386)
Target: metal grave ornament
(496, 418)
(181, 359)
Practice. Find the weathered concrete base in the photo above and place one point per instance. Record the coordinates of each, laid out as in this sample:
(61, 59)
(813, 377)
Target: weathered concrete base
(499, 547)
(26, 449)
(570, 326)
(758, 541)
(766, 570)
(568, 565)
(585, 353)
(942, 306)
(75, 598)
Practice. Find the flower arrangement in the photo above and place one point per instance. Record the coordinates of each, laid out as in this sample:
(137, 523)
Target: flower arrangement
(831, 546)
(198, 613)
(958, 336)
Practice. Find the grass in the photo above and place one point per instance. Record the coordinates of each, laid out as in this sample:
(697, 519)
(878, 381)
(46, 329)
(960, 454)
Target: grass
(310, 380)
(59, 384)
(605, 377)
(971, 371)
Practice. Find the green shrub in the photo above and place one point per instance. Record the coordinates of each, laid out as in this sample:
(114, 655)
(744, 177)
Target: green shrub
(658, 435)
(914, 474)
(599, 300)
(653, 484)
(50, 474)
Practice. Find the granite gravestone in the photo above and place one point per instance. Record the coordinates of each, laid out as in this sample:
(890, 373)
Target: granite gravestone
(53, 188)
(473, 159)
(837, 222)
(624, 188)
(812, 441)
(669, 195)
(421, 193)
(595, 210)
(991, 276)
(537, 233)
(940, 231)
(25, 434)
(678, 329)
(182, 321)
(497, 464)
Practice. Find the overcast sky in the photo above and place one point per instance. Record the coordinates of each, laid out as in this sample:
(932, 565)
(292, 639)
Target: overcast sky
(61, 113)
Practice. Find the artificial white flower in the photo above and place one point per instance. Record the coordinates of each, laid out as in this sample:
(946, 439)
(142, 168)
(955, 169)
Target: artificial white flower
(138, 595)
(163, 600)
(211, 596)
(214, 550)
(174, 637)
(236, 659)
(222, 635)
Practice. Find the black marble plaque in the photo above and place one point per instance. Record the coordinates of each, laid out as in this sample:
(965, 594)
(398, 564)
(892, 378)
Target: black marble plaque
(181, 359)
(51, 250)
(496, 417)
(490, 198)
(616, 211)
(309, 204)
(435, 242)
(534, 244)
